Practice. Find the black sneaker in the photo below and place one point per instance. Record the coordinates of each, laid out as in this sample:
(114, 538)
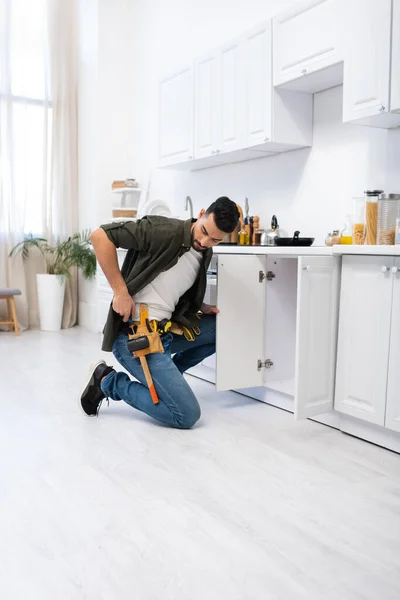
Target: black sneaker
(93, 395)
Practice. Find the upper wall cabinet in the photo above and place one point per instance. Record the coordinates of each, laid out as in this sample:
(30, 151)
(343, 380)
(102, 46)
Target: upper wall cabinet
(368, 73)
(206, 105)
(218, 102)
(176, 103)
(395, 87)
(237, 114)
(257, 102)
(307, 46)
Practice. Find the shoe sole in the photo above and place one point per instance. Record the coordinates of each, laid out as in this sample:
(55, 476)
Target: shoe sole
(91, 371)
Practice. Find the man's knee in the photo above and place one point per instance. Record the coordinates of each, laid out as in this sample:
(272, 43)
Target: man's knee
(189, 417)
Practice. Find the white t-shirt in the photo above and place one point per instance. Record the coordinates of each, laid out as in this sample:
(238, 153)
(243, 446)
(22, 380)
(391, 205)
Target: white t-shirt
(163, 293)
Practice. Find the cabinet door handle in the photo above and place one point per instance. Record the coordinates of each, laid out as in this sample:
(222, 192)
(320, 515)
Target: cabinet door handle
(394, 270)
(384, 269)
(307, 268)
(382, 108)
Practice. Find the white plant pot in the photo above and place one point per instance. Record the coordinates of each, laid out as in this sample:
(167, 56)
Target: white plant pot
(51, 301)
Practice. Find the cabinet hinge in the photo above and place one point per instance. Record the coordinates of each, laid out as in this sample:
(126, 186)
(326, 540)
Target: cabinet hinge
(266, 364)
(269, 275)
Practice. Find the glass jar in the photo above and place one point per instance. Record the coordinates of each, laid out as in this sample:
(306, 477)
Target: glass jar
(397, 241)
(257, 236)
(388, 212)
(328, 240)
(358, 220)
(371, 216)
(335, 237)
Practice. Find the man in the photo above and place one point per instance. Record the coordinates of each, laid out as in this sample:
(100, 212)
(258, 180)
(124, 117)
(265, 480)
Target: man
(165, 268)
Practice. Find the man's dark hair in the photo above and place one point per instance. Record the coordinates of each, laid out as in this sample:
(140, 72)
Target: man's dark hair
(226, 214)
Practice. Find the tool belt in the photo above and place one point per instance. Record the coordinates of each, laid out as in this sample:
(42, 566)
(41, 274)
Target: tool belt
(165, 325)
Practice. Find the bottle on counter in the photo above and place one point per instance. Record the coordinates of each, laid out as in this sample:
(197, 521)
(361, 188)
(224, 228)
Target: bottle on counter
(251, 230)
(256, 226)
(244, 238)
(346, 237)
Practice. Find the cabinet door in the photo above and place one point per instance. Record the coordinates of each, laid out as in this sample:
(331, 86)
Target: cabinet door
(176, 118)
(367, 59)
(316, 335)
(305, 39)
(206, 105)
(395, 87)
(364, 334)
(393, 390)
(257, 78)
(241, 321)
(230, 126)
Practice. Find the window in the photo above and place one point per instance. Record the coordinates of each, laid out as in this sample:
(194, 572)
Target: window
(25, 110)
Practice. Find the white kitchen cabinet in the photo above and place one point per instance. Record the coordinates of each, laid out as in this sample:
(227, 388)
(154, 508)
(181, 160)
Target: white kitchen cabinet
(258, 340)
(392, 420)
(207, 100)
(316, 335)
(371, 64)
(240, 330)
(176, 125)
(307, 46)
(238, 115)
(218, 102)
(230, 125)
(367, 59)
(395, 78)
(257, 65)
(364, 337)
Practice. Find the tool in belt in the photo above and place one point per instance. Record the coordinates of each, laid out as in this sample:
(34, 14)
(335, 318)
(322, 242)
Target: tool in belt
(165, 325)
(143, 341)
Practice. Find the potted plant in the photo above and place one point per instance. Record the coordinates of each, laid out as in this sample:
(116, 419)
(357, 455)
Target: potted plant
(76, 251)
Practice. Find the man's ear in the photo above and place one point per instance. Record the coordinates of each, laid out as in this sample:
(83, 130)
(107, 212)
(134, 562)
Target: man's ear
(201, 213)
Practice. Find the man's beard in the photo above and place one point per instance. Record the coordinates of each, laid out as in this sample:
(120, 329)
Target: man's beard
(195, 244)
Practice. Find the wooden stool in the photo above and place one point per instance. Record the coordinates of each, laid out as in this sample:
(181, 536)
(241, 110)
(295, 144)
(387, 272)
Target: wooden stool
(8, 294)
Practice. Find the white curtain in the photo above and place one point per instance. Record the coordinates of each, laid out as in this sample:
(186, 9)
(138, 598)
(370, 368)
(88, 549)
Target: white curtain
(38, 137)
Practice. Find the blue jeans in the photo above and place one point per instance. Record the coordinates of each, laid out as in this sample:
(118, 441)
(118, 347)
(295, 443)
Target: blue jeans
(178, 406)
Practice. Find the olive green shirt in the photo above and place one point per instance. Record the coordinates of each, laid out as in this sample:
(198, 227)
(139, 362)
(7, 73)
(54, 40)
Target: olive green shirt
(154, 245)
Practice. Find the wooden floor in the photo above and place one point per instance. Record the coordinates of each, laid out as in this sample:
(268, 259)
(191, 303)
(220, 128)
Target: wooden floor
(250, 505)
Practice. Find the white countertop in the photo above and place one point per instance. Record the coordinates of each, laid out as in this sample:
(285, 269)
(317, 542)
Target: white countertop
(310, 250)
(275, 250)
(367, 250)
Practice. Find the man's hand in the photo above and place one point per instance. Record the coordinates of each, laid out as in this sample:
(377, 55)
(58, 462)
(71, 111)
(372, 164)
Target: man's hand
(124, 305)
(207, 309)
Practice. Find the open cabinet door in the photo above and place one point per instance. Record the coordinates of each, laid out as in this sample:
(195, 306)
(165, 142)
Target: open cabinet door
(241, 321)
(316, 335)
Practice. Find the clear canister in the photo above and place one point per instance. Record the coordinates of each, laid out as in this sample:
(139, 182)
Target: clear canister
(358, 220)
(371, 216)
(388, 212)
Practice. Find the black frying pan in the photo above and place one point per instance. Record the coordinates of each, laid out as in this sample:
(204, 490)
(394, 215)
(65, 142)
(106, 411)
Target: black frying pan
(294, 241)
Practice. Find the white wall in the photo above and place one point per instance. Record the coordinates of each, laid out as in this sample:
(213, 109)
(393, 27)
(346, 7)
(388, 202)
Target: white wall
(310, 190)
(126, 46)
(106, 101)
